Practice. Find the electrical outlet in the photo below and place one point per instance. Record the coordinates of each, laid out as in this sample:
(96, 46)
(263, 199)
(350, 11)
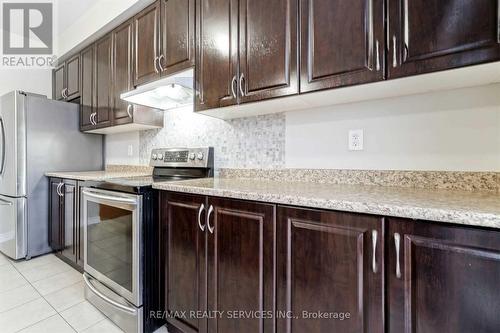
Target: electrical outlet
(130, 150)
(356, 140)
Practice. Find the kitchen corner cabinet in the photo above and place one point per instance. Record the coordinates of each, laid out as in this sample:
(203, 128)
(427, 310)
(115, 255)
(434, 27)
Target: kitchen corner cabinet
(64, 229)
(66, 80)
(87, 99)
(103, 82)
(442, 278)
(330, 262)
(246, 51)
(122, 72)
(218, 256)
(431, 35)
(342, 43)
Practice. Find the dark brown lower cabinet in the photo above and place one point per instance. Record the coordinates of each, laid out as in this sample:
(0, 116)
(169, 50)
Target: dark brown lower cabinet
(329, 264)
(219, 256)
(65, 236)
(183, 245)
(317, 271)
(442, 278)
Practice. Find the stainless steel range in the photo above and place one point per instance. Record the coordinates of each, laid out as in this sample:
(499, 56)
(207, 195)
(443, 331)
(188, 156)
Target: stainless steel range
(120, 216)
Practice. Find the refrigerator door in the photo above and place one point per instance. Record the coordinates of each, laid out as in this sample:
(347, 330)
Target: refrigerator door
(13, 145)
(13, 227)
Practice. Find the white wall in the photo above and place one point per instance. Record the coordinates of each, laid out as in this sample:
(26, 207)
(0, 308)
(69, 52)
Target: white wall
(37, 81)
(117, 148)
(452, 130)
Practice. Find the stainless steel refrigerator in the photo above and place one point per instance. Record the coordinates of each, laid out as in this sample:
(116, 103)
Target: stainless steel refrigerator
(37, 135)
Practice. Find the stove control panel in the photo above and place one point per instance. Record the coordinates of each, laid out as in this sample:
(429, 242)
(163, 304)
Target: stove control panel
(182, 157)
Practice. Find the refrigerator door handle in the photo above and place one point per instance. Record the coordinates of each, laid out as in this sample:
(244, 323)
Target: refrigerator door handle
(5, 203)
(2, 165)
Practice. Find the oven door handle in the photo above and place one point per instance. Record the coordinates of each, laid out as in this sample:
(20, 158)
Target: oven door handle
(122, 307)
(110, 198)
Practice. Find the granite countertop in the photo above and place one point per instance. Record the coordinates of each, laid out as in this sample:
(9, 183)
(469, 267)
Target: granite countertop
(98, 175)
(462, 207)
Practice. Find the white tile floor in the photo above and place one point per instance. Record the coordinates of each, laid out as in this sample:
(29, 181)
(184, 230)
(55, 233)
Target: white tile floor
(45, 295)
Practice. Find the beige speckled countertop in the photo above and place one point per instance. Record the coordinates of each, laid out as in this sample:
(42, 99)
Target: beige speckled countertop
(462, 207)
(97, 175)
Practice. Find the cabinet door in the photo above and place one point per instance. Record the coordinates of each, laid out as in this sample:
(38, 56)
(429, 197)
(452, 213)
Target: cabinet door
(73, 77)
(59, 77)
(342, 43)
(177, 35)
(183, 250)
(87, 87)
(122, 72)
(444, 278)
(68, 233)
(332, 263)
(240, 264)
(433, 35)
(216, 54)
(146, 44)
(268, 49)
(103, 83)
(55, 214)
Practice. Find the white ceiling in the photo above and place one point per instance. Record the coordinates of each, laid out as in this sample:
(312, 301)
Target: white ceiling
(68, 12)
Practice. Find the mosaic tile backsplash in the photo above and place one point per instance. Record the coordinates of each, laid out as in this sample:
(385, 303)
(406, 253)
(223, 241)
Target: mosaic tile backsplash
(254, 142)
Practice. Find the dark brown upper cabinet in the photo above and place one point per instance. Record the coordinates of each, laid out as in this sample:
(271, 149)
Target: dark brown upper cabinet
(103, 83)
(73, 78)
(442, 278)
(177, 35)
(432, 35)
(66, 80)
(268, 49)
(122, 72)
(342, 43)
(330, 262)
(59, 82)
(264, 63)
(87, 99)
(216, 53)
(146, 35)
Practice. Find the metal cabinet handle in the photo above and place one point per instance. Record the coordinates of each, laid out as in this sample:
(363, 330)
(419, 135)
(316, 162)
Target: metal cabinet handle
(62, 93)
(159, 63)
(59, 186)
(371, 60)
(406, 36)
(397, 243)
(202, 208)
(4, 146)
(210, 211)
(129, 110)
(377, 50)
(107, 299)
(374, 254)
(242, 79)
(92, 118)
(156, 65)
(394, 52)
(233, 82)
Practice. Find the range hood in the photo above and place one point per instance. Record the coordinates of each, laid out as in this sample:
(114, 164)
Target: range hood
(167, 93)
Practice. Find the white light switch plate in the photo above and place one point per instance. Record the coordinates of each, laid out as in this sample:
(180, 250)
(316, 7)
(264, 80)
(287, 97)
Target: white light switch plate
(356, 140)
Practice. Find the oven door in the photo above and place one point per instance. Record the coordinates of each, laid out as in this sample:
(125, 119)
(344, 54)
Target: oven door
(112, 241)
